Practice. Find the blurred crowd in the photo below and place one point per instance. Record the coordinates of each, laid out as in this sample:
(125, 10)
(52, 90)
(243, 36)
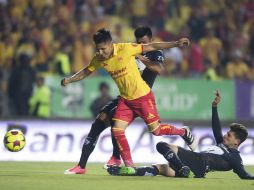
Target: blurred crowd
(55, 37)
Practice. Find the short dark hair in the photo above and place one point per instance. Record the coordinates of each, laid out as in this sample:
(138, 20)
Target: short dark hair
(102, 35)
(143, 31)
(240, 131)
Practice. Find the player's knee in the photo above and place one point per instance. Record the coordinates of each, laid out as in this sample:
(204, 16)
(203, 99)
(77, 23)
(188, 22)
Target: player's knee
(116, 131)
(113, 129)
(155, 130)
(98, 123)
(102, 117)
(162, 147)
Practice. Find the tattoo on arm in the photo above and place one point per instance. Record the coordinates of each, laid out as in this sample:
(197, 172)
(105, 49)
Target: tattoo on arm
(79, 75)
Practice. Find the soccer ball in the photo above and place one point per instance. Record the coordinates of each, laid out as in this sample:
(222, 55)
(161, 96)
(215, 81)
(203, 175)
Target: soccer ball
(14, 140)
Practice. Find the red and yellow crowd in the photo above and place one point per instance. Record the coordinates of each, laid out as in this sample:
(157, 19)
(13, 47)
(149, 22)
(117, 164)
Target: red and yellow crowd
(55, 36)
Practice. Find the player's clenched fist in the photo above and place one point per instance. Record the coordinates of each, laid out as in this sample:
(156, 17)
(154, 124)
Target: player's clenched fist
(183, 42)
(217, 99)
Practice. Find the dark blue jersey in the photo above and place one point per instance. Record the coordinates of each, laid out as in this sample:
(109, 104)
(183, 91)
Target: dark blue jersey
(220, 157)
(216, 158)
(157, 58)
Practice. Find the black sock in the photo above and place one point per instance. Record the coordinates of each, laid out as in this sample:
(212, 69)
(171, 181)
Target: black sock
(116, 152)
(97, 127)
(169, 155)
(147, 171)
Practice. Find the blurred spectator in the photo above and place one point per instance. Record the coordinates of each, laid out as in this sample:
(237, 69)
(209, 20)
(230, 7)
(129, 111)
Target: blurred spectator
(174, 58)
(4, 99)
(210, 72)
(138, 10)
(100, 101)
(211, 47)
(90, 11)
(237, 68)
(109, 6)
(251, 70)
(195, 58)
(123, 34)
(248, 7)
(196, 23)
(173, 6)
(82, 52)
(7, 49)
(158, 13)
(62, 60)
(39, 102)
(251, 46)
(27, 46)
(20, 88)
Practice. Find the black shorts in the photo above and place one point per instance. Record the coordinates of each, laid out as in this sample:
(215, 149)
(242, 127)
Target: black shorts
(110, 108)
(196, 161)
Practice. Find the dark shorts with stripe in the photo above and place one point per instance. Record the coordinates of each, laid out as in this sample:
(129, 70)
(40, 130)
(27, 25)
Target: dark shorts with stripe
(196, 161)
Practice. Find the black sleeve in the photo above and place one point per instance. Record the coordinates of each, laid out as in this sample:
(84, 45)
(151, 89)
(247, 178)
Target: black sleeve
(216, 126)
(238, 168)
(158, 57)
(155, 56)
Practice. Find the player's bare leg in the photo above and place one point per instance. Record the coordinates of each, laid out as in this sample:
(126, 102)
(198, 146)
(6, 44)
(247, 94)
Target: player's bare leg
(165, 170)
(159, 129)
(169, 152)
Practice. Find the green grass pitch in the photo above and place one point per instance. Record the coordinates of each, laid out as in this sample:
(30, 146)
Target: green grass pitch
(49, 176)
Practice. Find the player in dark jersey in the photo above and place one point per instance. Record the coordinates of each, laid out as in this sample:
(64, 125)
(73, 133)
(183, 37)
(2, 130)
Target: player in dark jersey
(154, 66)
(224, 156)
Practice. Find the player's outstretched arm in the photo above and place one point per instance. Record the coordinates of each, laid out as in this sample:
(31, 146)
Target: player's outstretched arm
(182, 42)
(215, 119)
(243, 174)
(238, 168)
(76, 77)
(217, 99)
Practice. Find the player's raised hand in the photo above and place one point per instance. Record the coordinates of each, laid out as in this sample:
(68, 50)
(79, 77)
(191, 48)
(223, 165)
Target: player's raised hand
(183, 42)
(217, 99)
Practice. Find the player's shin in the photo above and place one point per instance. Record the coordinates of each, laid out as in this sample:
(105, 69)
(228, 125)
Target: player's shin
(169, 155)
(97, 127)
(123, 145)
(116, 152)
